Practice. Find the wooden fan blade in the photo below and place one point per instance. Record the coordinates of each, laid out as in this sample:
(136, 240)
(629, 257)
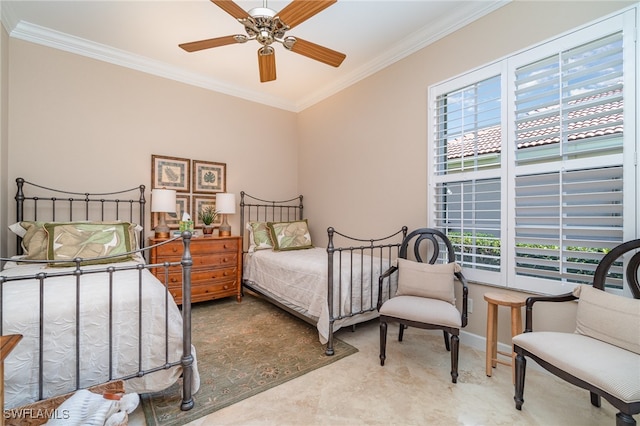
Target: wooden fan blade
(231, 8)
(299, 11)
(212, 42)
(267, 64)
(315, 51)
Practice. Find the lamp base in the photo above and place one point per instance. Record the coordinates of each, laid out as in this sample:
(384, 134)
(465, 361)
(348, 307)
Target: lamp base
(162, 230)
(161, 234)
(225, 228)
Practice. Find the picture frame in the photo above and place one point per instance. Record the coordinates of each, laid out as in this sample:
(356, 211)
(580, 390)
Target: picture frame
(170, 173)
(200, 201)
(183, 204)
(209, 177)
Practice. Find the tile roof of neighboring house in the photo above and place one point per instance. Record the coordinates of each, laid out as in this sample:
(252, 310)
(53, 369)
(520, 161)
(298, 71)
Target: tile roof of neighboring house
(545, 130)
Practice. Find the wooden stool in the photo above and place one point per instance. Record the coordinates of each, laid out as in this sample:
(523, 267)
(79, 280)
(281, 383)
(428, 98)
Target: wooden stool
(515, 303)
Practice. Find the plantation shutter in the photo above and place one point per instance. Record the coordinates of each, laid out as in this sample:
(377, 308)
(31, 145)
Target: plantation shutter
(568, 161)
(467, 140)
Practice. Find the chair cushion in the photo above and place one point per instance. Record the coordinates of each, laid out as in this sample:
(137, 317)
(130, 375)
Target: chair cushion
(607, 367)
(608, 317)
(420, 309)
(426, 280)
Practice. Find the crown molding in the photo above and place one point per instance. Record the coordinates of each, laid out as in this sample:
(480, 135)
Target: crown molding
(79, 46)
(409, 45)
(418, 40)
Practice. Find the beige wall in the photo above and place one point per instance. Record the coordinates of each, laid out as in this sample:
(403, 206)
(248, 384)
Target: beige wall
(359, 157)
(363, 152)
(78, 123)
(4, 199)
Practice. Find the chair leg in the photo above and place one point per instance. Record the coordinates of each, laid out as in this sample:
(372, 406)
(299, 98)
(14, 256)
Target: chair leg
(383, 341)
(401, 332)
(595, 399)
(521, 366)
(623, 419)
(455, 344)
(446, 340)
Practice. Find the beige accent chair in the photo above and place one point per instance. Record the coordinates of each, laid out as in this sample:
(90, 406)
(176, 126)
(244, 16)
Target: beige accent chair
(603, 354)
(425, 297)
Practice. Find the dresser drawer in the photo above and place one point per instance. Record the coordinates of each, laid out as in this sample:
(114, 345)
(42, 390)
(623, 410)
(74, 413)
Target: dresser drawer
(198, 277)
(203, 292)
(198, 247)
(204, 261)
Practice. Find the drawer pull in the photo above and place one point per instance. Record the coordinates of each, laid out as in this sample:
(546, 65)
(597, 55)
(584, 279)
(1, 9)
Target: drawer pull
(173, 280)
(174, 249)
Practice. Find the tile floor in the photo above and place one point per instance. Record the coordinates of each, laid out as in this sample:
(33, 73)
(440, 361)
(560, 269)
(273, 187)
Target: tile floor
(413, 388)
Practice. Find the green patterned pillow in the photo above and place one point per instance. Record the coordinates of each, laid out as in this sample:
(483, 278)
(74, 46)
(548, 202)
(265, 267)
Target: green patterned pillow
(259, 236)
(34, 240)
(89, 240)
(290, 235)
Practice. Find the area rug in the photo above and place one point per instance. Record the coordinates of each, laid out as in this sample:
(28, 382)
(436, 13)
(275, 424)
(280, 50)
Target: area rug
(242, 349)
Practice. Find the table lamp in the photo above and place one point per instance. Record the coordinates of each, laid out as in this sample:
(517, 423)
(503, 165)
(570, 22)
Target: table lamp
(225, 205)
(163, 201)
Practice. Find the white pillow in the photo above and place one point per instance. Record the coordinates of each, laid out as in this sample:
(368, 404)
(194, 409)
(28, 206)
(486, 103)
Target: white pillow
(608, 317)
(17, 229)
(426, 280)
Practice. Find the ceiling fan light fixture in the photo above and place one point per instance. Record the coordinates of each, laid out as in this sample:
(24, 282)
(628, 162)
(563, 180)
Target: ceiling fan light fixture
(262, 12)
(267, 26)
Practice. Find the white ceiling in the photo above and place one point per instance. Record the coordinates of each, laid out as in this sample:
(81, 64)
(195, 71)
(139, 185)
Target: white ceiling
(144, 35)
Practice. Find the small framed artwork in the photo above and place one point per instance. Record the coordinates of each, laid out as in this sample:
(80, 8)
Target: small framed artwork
(209, 177)
(170, 173)
(200, 202)
(183, 202)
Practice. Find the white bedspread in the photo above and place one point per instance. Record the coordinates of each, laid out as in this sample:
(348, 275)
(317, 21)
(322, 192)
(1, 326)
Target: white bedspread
(20, 314)
(298, 278)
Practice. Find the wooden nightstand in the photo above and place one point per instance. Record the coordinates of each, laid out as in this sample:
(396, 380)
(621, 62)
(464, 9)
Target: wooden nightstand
(216, 271)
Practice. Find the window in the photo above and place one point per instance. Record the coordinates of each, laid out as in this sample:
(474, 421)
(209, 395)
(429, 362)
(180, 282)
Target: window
(532, 163)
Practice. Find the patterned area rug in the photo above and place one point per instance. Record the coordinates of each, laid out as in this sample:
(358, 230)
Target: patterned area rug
(242, 349)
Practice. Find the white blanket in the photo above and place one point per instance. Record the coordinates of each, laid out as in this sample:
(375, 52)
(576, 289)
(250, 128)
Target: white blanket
(21, 312)
(298, 278)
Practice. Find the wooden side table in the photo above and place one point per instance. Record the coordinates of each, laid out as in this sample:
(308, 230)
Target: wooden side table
(493, 301)
(7, 343)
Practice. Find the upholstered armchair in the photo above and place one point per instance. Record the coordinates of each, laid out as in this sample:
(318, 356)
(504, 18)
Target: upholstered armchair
(603, 354)
(425, 297)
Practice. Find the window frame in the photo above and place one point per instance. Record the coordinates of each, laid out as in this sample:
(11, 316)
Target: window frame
(505, 67)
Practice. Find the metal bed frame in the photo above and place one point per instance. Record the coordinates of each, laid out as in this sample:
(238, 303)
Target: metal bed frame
(57, 205)
(256, 209)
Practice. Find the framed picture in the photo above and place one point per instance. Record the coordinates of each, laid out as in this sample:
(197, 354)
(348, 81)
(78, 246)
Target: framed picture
(199, 202)
(183, 203)
(209, 177)
(170, 173)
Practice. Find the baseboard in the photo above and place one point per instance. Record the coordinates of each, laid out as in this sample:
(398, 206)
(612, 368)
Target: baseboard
(480, 343)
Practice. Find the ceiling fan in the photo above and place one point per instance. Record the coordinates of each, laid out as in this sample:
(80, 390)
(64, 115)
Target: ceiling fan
(267, 26)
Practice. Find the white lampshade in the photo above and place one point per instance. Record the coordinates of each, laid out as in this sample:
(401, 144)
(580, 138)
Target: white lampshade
(163, 200)
(225, 203)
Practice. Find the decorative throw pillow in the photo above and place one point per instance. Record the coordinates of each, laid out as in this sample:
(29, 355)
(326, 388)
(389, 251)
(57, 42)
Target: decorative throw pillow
(259, 236)
(290, 235)
(89, 240)
(426, 280)
(34, 240)
(608, 317)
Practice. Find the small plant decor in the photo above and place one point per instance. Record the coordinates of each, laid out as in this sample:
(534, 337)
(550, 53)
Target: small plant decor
(208, 215)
